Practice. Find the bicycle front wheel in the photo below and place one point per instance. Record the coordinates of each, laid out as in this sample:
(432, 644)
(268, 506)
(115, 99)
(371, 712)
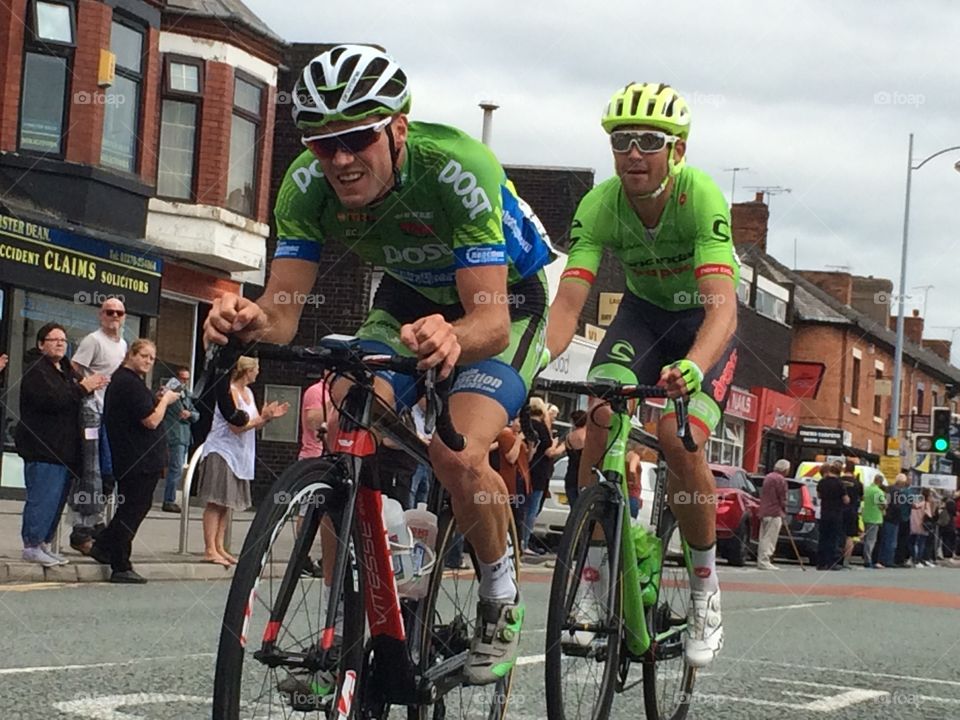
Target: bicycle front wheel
(446, 624)
(668, 680)
(269, 639)
(584, 615)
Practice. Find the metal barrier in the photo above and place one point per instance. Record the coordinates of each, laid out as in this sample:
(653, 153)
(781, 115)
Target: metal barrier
(185, 501)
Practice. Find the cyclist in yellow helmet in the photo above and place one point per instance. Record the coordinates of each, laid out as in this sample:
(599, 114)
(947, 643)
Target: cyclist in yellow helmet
(669, 225)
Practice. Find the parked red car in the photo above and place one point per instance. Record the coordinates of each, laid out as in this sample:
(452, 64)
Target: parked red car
(738, 514)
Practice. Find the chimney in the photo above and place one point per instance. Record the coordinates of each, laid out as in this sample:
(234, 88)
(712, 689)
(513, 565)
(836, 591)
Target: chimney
(750, 220)
(939, 347)
(912, 327)
(838, 285)
(871, 296)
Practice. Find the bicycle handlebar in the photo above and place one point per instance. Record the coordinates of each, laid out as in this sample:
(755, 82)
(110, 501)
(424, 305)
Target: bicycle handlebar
(336, 353)
(610, 389)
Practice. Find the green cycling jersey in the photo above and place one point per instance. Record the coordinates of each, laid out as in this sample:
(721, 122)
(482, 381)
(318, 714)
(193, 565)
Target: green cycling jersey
(454, 209)
(663, 265)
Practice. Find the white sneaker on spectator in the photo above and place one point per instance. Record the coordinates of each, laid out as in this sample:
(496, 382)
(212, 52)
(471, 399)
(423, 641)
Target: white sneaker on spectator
(56, 556)
(37, 555)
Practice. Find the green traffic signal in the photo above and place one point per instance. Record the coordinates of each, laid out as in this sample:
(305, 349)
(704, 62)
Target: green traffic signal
(940, 444)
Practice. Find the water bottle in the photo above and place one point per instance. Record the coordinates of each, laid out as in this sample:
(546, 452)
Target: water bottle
(648, 549)
(423, 529)
(398, 539)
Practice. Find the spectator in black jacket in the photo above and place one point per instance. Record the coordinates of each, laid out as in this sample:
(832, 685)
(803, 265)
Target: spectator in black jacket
(833, 499)
(48, 438)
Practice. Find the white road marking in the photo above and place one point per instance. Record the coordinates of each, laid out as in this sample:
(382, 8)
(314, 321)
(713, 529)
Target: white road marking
(788, 607)
(822, 669)
(105, 707)
(531, 659)
(59, 668)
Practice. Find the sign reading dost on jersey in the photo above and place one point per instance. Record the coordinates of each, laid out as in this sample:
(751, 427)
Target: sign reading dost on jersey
(69, 265)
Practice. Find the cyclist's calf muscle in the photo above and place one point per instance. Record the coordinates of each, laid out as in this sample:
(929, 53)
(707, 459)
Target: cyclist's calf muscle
(689, 472)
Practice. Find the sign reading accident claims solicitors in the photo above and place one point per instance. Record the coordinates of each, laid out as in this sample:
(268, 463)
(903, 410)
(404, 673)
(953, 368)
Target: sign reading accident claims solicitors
(89, 271)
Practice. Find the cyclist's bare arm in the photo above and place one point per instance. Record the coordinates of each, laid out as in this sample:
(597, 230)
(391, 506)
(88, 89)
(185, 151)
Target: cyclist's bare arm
(719, 321)
(564, 314)
(484, 329)
(272, 318)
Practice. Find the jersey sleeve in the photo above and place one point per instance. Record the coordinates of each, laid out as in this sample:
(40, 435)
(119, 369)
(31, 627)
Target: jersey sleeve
(586, 246)
(469, 185)
(713, 253)
(297, 211)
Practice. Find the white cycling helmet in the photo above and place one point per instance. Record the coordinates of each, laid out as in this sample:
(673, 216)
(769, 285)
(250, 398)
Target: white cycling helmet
(349, 82)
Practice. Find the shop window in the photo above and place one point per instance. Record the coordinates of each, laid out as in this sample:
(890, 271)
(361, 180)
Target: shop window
(48, 53)
(176, 337)
(855, 390)
(244, 146)
(121, 120)
(29, 312)
(726, 444)
(182, 87)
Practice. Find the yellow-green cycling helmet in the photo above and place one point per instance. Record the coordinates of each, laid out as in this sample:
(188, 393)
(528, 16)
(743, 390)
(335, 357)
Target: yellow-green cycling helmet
(653, 104)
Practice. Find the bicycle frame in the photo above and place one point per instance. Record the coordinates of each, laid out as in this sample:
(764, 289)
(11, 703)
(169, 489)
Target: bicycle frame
(613, 468)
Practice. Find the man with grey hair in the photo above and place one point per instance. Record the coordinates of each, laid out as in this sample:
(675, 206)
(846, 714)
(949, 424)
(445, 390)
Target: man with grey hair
(773, 508)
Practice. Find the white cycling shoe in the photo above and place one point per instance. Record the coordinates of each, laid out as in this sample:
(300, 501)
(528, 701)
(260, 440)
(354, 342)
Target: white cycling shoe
(703, 638)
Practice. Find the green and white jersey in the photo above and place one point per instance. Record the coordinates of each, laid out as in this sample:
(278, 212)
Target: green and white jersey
(662, 264)
(455, 209)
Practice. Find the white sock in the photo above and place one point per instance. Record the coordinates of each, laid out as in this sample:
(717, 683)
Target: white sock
(703, 576)
(496, 579)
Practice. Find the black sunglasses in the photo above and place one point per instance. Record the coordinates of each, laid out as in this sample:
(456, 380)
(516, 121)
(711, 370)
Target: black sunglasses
(350, 141)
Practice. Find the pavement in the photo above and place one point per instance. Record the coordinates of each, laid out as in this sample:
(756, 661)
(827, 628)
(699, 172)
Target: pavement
(855, 645)
(155, 550)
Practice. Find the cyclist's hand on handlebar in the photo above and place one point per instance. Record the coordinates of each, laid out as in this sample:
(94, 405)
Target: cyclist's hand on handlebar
(681, 378)
(435, 343)
(233, 315)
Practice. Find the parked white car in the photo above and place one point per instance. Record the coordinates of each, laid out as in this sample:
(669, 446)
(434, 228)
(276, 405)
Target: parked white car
(556, 508)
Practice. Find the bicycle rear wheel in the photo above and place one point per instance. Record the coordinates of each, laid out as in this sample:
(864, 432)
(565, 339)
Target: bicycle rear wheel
(274, 613)
(668, 681)
(583, 630)
(446, 623)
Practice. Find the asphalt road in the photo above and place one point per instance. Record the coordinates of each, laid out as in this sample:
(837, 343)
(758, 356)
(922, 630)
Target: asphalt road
(860, 644)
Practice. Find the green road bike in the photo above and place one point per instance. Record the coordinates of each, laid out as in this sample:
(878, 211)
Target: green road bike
(633, 609)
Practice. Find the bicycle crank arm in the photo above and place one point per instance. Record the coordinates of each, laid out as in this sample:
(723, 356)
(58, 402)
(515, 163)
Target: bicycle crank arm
(442, 678)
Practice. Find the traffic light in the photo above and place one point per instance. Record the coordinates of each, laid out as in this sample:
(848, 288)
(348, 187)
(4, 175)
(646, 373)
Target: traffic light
(940, 433)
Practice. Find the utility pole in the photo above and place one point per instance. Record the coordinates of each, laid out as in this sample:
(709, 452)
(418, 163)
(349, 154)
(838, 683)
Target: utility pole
(733, 187)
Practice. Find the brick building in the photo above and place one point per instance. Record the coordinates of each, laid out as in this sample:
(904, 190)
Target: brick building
(840, 321)
(134, 162)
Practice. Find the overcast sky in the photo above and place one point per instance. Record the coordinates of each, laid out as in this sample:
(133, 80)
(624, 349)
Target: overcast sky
(817, 97)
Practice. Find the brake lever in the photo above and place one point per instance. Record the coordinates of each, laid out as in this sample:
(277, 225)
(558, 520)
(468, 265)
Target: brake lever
(683, 425)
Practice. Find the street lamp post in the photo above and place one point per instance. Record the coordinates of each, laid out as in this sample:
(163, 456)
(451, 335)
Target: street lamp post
(898, 352)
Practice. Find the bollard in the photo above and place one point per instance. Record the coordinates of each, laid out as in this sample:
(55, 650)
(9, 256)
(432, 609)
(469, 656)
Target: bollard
(185, 509)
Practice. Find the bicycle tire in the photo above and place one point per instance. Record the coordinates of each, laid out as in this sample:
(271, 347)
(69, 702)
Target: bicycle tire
(655, 674)
(301, 480)
(439, 639)
(595, 505)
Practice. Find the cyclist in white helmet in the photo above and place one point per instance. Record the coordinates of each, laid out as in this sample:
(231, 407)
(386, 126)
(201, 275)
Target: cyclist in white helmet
(669, 226)
(463, 287)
